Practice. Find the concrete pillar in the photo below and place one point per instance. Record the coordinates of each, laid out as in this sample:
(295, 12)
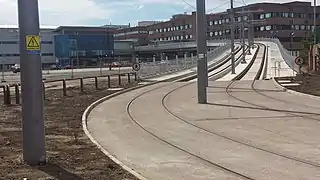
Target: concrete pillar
(161, 56)
(154, 59)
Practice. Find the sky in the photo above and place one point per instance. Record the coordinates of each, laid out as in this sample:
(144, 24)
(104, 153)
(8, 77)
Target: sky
(101, 12)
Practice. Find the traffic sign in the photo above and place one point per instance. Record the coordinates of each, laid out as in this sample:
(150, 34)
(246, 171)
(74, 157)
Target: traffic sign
(33, 44)
(299, 61)
(136, 67)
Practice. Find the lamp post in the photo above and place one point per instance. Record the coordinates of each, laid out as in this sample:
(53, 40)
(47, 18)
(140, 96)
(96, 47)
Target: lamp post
(291, 42)
(233, 68)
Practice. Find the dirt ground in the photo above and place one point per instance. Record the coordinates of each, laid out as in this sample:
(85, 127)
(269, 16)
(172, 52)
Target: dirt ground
(309, 84)
(70, 154)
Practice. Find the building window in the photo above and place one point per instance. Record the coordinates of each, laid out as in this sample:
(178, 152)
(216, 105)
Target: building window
(285, 14)
(174, 28)
(171, 28)
(181, 37)
(223, 21)
(262, 28)
(160, 30)
(187, 36)
(211, 34)
(302, 27)
(181, 27)
(268, 28)
(220, 33)
(190, 26)
(261, 16)
(210, 23)
(46, 54)
(220, 21)
(190, 36)
(186, 26)
(216, 33)
(268, 15)
(165, 30)
(297, 27)
(215, 22)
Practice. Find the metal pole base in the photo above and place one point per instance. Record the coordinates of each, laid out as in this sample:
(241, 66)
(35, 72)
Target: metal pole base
(243, 62)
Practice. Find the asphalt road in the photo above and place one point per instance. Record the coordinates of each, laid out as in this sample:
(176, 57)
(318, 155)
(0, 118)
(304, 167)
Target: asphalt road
(65, 74)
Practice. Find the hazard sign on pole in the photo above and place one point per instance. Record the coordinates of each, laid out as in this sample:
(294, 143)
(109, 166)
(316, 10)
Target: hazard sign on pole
(33, 44)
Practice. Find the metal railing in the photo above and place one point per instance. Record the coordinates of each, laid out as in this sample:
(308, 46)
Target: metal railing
(286, 55)
(153, 69)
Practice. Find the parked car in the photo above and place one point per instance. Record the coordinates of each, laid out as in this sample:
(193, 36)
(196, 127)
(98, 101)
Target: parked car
(55, 67)
(15, 68)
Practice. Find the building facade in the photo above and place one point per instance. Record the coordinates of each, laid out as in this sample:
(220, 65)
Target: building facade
(82, 46)
(9, 46)
(290, 22)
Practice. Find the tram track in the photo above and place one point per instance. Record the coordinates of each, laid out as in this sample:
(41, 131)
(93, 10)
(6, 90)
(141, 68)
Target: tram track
(211, 132)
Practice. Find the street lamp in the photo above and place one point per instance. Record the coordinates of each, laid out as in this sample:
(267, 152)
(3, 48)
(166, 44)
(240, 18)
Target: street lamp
(291, 42)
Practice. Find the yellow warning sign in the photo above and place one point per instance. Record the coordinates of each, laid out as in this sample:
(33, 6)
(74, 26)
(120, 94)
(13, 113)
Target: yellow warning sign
(33, 43)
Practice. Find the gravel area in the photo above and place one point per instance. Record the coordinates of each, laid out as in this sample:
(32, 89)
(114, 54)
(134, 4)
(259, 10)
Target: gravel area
(70, 154)
(308, 84)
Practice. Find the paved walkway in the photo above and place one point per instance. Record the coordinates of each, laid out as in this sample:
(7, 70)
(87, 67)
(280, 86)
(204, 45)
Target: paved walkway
(162, 133)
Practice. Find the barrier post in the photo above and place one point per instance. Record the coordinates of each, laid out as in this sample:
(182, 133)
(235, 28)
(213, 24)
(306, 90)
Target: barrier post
(64, 87)
(109, 81)
(96, 82)
(119, 78)
(17, 93)
(129, 78)
(8, 97)
(81, 84)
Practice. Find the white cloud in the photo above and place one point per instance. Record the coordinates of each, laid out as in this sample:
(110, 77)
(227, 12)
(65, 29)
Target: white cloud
(57, 12)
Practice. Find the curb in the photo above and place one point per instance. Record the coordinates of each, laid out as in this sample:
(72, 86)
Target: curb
(275, 82)
(86, 131)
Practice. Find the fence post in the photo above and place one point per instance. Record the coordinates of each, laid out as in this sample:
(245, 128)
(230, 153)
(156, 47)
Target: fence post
(109, 81)
(128, 78)
(81, 84)
(119, 78)
(7, 95)
(135, 76)
(4, 94)
(96, 82)
(64, 87)
(44, 90)
(17, 92)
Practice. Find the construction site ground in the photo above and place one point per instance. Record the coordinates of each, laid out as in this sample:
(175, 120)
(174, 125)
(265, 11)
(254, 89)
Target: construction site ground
(70, 154)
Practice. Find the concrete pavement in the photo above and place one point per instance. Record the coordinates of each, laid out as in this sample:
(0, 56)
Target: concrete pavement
(170, 136)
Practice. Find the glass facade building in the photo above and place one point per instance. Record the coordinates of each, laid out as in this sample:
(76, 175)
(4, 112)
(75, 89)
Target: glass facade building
(82, 49)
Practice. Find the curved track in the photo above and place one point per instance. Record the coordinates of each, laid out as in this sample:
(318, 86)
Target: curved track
(201, 157)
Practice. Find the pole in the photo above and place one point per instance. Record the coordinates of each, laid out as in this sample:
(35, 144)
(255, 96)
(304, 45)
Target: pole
(33, 132)
(100, 58)
(314, 33)
(201, 50)
(233, 68)
(2, 69)
(77, 55)
(242, 35)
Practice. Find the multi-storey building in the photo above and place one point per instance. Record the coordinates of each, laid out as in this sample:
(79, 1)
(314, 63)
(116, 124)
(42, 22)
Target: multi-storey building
(291, 22)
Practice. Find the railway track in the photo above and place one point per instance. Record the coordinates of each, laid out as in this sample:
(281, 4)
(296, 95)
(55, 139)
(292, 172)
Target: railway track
(259, 61)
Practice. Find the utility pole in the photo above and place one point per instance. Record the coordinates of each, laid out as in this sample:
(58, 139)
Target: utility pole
(33, 133)
(242, 34)
(233, 68)
(201, 50)
(314, 34)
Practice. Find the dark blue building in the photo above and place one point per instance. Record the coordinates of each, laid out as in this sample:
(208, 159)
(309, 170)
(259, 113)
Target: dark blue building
(83, 45)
